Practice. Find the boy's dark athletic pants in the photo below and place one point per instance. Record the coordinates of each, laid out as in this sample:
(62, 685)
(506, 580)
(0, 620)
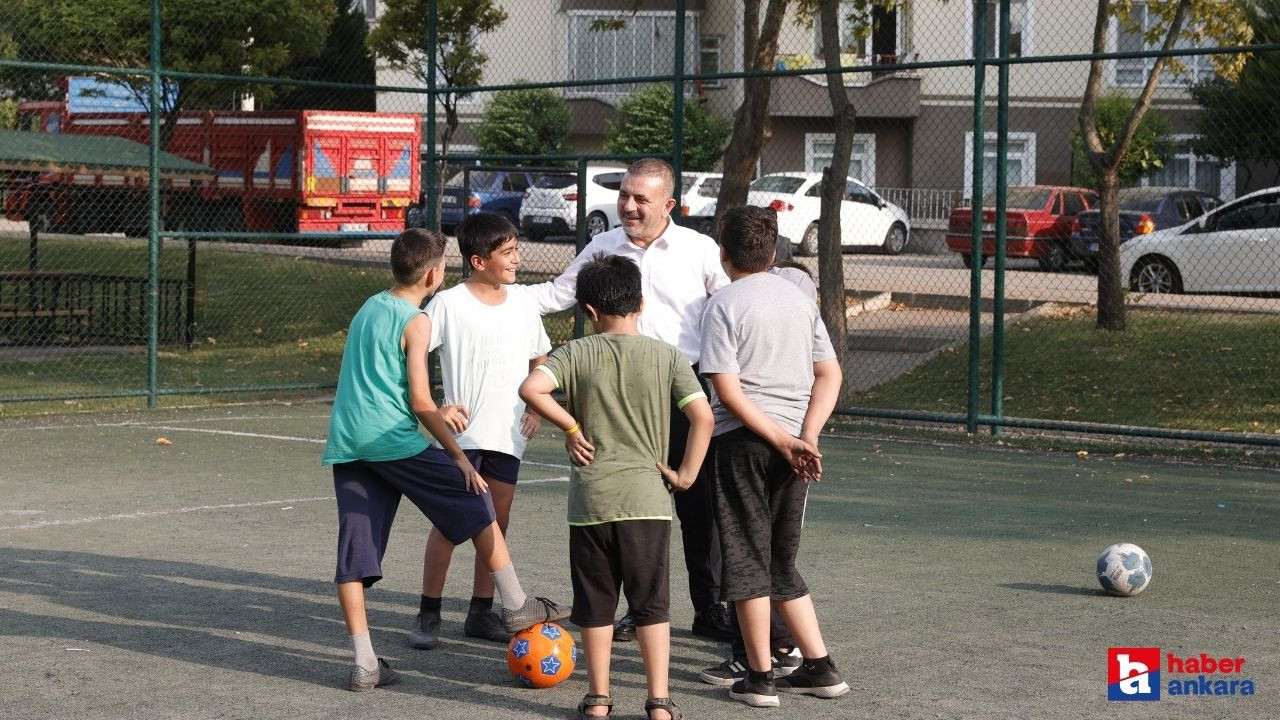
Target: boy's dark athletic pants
(697, 517)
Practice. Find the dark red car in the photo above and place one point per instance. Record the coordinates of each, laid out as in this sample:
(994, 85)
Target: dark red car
(1038, 223)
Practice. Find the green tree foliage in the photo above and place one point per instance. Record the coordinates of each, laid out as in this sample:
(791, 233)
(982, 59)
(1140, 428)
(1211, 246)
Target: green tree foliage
(1151, 146)
(1238, 120)
(644, 125)
(345, 58)
(524, 122)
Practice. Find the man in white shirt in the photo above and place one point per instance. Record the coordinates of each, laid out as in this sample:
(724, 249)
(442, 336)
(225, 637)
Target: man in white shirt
(679, 268)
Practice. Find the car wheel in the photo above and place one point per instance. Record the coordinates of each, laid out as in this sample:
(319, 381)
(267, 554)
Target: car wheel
(1054, 258)
(1155, 275)
(596, 224)
(1091, 265)
(809, 243)
(968, 260)
(895, 241)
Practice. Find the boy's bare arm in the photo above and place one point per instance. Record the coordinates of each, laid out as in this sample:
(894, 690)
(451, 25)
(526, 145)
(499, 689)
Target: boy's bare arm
(417, 338)
(799, 453)
(530, 421)
(695, 449)
(823, 396)
(536, 392)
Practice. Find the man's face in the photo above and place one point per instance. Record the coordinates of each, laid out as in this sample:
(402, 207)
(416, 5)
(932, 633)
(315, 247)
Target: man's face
(644, 204)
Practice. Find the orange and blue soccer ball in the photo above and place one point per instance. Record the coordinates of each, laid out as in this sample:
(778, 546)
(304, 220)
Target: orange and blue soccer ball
(542, 655)
(1124, 569)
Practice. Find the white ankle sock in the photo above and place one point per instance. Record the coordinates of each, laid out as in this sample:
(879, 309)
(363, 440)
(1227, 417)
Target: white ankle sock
(363, 648)
(513, 596)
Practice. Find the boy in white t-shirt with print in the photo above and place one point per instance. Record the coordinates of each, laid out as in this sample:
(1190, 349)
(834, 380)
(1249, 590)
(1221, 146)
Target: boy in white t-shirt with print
(490, 337)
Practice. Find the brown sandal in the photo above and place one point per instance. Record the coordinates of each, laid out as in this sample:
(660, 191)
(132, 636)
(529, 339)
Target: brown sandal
(589, 700)
(662, 704)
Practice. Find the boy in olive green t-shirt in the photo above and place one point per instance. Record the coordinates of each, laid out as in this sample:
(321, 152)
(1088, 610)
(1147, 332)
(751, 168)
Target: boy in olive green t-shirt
(619, 387)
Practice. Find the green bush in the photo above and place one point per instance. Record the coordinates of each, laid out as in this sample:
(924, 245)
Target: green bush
(644, 125)
(524, 122)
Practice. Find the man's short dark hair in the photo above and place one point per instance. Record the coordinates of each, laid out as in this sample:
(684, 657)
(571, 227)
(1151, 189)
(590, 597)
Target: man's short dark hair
(413, 253)
(480, 234)
(749, 235)
(610, 284)
(658, 168)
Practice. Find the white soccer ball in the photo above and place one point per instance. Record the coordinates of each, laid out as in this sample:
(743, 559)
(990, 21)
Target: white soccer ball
(1124, 569)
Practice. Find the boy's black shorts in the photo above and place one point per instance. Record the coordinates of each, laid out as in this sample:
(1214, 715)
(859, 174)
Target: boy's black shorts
(759, 504)
(630, 553)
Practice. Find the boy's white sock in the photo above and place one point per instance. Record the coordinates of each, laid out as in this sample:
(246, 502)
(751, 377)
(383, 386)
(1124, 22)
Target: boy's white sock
(513, 596)
(363, 648)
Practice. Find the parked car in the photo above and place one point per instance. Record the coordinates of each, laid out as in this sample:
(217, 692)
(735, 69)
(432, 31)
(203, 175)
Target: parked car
(697, 207)
(496, 191)
(1038, 221)
(1235, 248)
(550, 205)
(1142, 210)
(866, 219)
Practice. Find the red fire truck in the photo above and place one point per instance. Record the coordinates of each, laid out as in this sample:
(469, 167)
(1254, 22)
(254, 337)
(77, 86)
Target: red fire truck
(276, 171)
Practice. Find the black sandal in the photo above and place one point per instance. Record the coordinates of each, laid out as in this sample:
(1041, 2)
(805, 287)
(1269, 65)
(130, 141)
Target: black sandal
(590, 700)
(662, 704)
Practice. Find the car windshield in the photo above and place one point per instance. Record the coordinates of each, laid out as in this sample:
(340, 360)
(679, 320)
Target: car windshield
(778, 184)
(555, 182)
(1140, 201)
(1021, 198)
(479, 179)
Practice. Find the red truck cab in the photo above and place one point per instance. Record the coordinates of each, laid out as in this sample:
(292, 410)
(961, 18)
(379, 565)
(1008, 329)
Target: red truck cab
(1038, 221)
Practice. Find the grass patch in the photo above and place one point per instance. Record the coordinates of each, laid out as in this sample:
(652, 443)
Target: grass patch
(1200, 371)
(260, 321)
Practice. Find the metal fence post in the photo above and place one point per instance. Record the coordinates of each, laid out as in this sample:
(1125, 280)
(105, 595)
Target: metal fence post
(153, 240)
(975, 203)
(677, 114)
(432, 222)
(1002, 187)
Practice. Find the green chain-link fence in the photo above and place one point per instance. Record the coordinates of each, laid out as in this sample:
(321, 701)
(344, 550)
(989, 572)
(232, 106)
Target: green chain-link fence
(199, 195)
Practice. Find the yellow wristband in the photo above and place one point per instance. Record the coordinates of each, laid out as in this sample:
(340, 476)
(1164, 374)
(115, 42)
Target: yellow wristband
(576, 427)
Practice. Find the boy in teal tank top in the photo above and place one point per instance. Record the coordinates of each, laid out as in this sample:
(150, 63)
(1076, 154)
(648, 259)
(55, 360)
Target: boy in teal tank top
(378, 455)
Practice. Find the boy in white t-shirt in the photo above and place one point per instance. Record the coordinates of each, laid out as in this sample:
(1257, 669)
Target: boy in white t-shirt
(490, 337)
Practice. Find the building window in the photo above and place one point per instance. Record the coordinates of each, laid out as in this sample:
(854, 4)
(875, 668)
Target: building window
(709, 59)
(1186, 169)
(618, 45)
(1134, 71)
(882, 40)
(1020, 165)
(371, 9)
(818, 149)
(1019, 27)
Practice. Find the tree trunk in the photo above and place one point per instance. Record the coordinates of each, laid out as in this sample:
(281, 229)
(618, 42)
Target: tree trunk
(1111, 311)
(751, 121)
(830, 255)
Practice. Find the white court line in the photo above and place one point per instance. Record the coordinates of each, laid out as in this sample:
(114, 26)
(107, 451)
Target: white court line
(263, 436)
(564, 478)
(159, 513)
(548, 465)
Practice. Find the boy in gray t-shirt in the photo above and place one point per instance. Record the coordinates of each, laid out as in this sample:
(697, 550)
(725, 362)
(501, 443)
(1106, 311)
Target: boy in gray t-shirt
(619, 387)
(775, 380)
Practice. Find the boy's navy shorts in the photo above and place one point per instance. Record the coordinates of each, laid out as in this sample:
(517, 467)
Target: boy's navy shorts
(630, 553)
(494, 465)
(368, 494)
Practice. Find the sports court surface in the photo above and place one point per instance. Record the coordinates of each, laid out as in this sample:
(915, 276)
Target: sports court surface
(192, 580)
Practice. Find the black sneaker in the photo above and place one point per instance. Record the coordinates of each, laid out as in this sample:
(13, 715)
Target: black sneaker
(485, 625)
(625, 629)
(713, 622)
(425, 634)
(807, 680)
(785, 662)
(760, 693)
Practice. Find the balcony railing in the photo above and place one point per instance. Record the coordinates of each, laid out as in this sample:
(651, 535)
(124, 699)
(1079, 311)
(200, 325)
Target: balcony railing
(924, 205)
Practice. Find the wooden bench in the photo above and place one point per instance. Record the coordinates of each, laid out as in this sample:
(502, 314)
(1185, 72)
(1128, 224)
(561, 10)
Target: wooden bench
(40, 307)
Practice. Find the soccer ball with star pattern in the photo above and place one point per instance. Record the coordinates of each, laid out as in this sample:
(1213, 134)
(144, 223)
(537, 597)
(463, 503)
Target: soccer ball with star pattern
(542, 655)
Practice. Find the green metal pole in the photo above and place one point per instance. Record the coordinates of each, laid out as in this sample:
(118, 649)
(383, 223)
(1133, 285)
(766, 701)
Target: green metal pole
(579, 324)
(431, 179)
(1002, 187)
(153, 241)
(975, 247)
(677, 116)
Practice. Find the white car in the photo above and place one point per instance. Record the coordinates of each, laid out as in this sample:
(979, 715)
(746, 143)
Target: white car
(550, 205)
(866, 219)
(698, 191)
(1235, 248)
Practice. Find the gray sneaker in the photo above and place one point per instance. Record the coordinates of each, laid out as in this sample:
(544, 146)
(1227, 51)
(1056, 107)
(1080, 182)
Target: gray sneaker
(485, 625)
(535, 610)
(365, 680)
(425, 634)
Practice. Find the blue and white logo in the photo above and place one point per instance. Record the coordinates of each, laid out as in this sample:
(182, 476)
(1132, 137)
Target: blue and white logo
(551, 631)
(551, 665)
(520, 648)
